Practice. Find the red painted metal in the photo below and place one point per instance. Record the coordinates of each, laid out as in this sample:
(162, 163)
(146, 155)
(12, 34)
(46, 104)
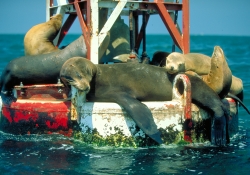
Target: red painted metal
(29, 111)
(167, 20)
(182, 40)
(185, 23)
(182, 80)
(85, 30)
(188, 124)
(28, 117)
(38, 109)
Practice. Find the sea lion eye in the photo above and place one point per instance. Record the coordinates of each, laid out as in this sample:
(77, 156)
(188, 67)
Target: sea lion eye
(78, 75)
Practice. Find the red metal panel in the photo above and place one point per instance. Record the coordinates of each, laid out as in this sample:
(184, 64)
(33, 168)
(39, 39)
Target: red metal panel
(188, 124)
(38, 109)
(26, 116)
(85, 29)
(167, 20)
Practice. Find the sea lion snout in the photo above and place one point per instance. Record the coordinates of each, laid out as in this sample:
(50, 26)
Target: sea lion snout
(218, 52)
(82, 85)
(171, 68)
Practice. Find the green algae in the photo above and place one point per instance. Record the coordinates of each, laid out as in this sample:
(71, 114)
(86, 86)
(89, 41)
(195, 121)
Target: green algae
(169, 135)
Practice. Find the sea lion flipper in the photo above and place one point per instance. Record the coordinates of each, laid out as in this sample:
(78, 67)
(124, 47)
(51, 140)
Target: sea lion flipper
(140, 114)
(218, 131)
(239, 100)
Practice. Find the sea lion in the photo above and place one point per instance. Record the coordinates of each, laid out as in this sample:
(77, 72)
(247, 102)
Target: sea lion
(128, 84)
(37, 69)
(174, 64)
(39, 39)
(119, 45)
(220, 75)
(196, 62)
(237, 87)
(159, 58)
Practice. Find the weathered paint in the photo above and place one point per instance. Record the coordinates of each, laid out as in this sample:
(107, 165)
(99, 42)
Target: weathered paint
(46, 115)
(38, 109)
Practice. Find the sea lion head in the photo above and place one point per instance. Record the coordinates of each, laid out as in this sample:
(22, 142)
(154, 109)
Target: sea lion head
(175, 63)
(78, 72)
(217, 57)
(218, 52)
(56, 21)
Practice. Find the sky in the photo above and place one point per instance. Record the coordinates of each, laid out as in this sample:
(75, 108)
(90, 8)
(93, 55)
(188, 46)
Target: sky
(207, 17)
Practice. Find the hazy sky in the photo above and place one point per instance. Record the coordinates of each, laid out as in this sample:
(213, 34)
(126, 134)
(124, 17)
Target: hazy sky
(215, 17)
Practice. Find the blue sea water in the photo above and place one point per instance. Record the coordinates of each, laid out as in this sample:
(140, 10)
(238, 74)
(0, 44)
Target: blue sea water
(56, 154)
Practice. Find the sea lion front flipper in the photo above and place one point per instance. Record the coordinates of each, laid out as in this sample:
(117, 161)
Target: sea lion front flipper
(140, 114)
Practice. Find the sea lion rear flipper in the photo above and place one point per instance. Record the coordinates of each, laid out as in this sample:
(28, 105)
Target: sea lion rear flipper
(219, 131)
(140, 114)
(239, 100)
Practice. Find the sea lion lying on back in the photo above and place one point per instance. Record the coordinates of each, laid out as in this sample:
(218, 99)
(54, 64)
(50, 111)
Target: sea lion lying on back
(128, 84)
(39, 39)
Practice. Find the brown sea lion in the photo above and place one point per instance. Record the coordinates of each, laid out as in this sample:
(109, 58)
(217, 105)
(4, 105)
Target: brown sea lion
(177, 62)
(119, 45)
(39, 39)
(237, 87)
(159, 58)
(220, 75)
(126, 85)
(174, 64)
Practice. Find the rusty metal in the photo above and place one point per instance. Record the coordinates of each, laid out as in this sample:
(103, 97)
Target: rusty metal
(188, 124)
(38, 109)
(185, 23)
(183, 86)
(84, 25)
(30, 117)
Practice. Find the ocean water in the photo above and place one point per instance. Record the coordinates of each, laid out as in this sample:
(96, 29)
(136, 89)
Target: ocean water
(56, 154)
